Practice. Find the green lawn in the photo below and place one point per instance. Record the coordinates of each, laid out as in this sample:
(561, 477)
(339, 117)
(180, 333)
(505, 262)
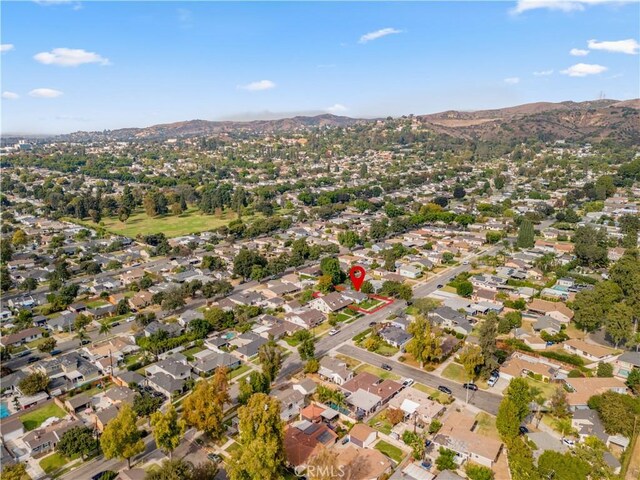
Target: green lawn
(239, 371)
(546, 389)
(391, 451)
(377, 371)
(379, 422)
(54, 462)
(345, 315)
(96, 303)
(33, 419)
(232, 448)
(370, 304)
(34, 344)
(190, 352)
(192, 221)
(386, 350)
(455, 372)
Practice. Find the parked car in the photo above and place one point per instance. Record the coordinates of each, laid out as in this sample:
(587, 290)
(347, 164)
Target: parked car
(115, 324)
(345, 439)
(214, 457)
(444, 389)
(523, 430)
(55, 352)
(333, 332)
(373, 324)
(426, 465)
(569, 442)
(427, 442)
(492, 381)
(470, 386)
(407, 382)
(439, 285)
(386, 367)
(33, 359)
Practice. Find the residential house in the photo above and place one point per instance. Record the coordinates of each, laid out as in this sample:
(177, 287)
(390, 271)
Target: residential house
(362, 435)
(45, 439)
(78, 403)
(417, 405)
(331, 303)
(457, 434)
(625, 363)
(557, 310)
(306, 318)
(449, 318)
(583, 388)
(396, 337)
(21, 337)
(334, 370)
(592, 352)
(291, 402)
(303, 439)
(140, 300)
(206, 365)
(366, 464)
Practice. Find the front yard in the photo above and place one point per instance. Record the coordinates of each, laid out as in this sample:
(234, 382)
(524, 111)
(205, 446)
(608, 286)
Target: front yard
(455, 372)
(377, 371)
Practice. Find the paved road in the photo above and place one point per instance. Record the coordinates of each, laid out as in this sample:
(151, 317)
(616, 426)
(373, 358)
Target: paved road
(293, 363)
(100, 464)
(481, 399)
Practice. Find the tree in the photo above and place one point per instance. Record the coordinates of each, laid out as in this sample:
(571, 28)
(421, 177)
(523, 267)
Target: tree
(19, 239)
(445, 460)
(487, 341)
(122, 308)
(604, 370)
(471, 358)
(331, 266)
(17, 471)
(77, 441)
(394, 415)
(173, 299)
(507, 421)
(121, 438)
(105, 328)
(633, 380)
(261, 440)
(478, 472)
(312, 366)
(307, 349)
(271, 360)
(348, 239)
(558, 404)
(617, 412)
(168, 429)
(493, 237)
(204, 408)
(34, 383)
(425, 344)
(520, 393)
(459, 192)
(367, 287)
(255, 382)
(563, 466)
(619, 323)
(526, 234)
(29, 284)
(145, 405)
(591, 246)
(464, 288)
(180, 469)
(47, 345)
(592, 306)
(245, 260)
(325, 284)
(5, 278)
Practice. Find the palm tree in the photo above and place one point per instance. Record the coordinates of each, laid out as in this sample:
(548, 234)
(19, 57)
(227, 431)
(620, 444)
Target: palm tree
(82, 335)
(105, 328)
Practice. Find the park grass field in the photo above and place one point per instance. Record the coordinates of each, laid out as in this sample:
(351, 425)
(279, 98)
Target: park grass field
(191, 221)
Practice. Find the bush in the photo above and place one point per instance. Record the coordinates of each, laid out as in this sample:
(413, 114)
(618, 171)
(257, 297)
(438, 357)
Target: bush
(575, 373)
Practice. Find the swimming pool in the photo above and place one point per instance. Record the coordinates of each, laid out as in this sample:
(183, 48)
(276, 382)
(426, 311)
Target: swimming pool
(4, 410)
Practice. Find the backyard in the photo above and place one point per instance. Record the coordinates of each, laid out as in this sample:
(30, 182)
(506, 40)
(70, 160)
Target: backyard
(391, 451)
(380, 422)
(33, 419)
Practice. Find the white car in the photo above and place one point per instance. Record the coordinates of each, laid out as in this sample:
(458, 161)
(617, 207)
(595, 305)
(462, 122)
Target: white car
(492, 381)
(569, 442)
(333, 332)
(408, 382)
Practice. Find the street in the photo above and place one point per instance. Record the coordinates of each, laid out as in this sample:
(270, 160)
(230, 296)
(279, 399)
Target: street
(481, 399)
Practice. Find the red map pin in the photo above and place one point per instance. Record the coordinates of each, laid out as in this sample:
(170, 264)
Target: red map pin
(357, 274)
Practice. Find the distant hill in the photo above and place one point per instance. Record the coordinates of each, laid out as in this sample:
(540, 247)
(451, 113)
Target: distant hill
(574, 121)
(194, 128)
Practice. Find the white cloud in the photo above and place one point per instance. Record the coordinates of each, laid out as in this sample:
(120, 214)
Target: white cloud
(629, 46)
(6, 47)
(543, 73)
(69, 57)
(45, 93)
(512, 80)
(258, 86)
(578, 52)
(583, 69)
(10, 95)
(383, 32)
(337, 108)
(560, 5)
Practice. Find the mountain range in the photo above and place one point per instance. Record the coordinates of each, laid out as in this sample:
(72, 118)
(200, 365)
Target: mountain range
(574, 121)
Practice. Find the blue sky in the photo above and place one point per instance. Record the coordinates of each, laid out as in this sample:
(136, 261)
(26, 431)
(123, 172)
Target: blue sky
(69, 65)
